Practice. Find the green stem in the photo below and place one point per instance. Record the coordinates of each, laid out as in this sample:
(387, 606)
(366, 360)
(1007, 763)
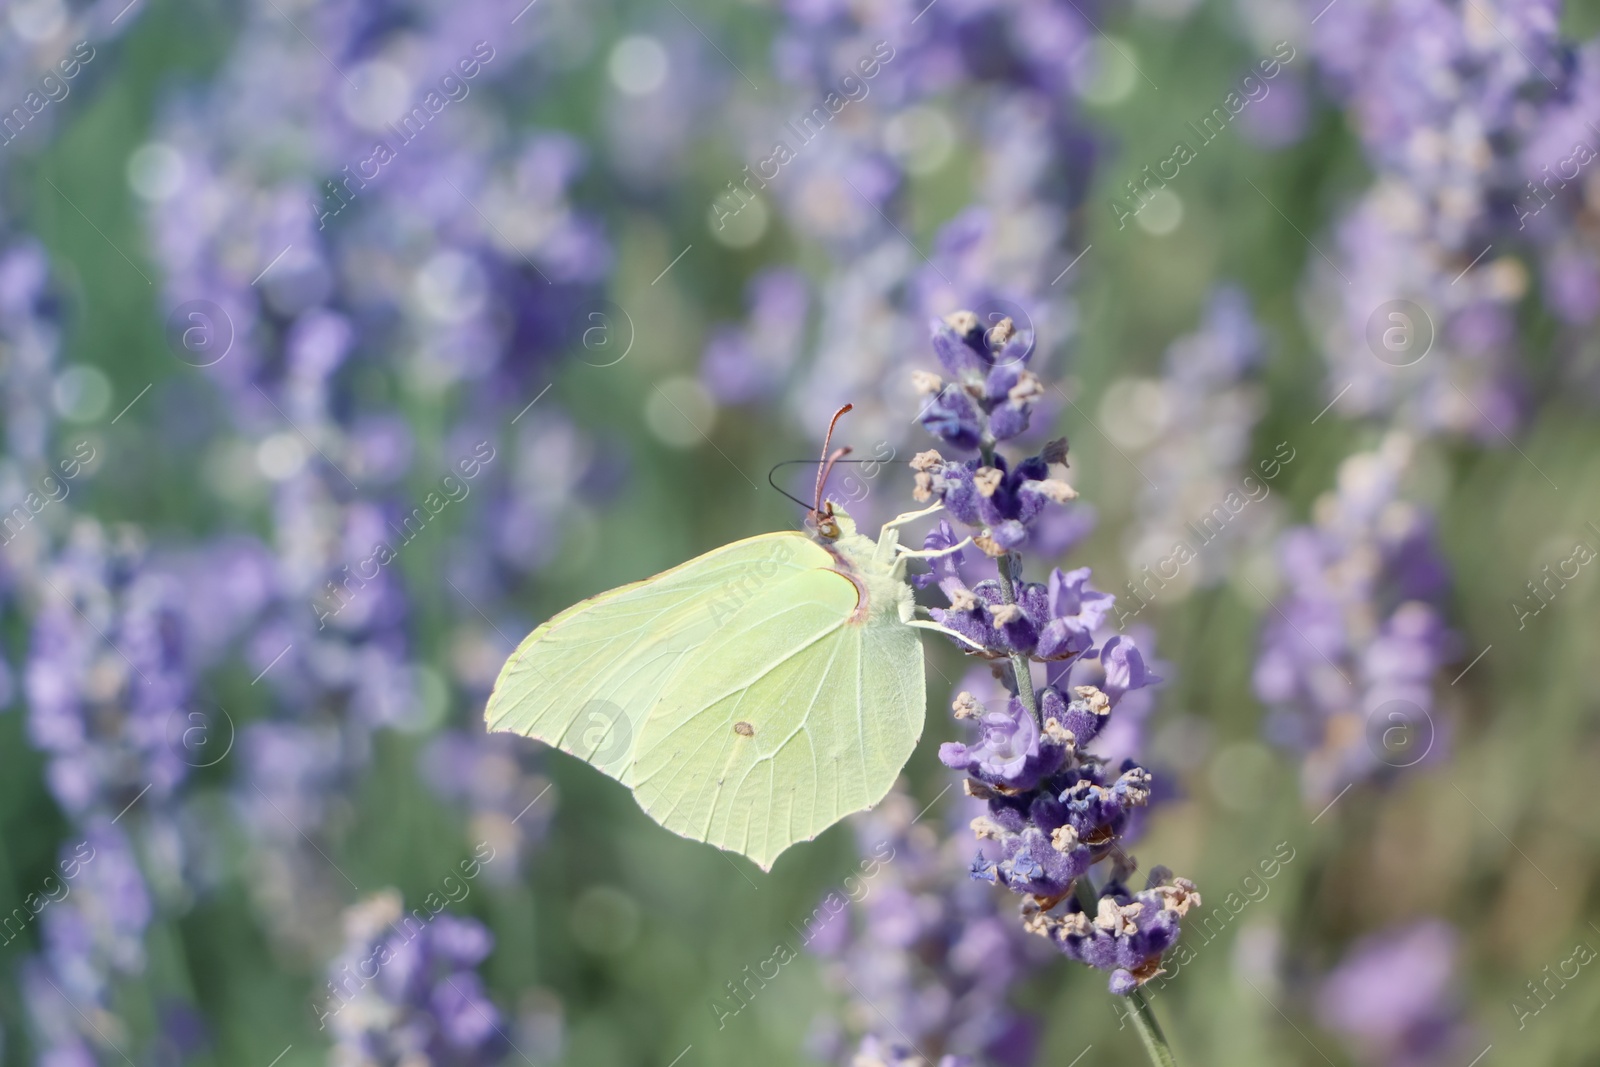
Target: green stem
(1019, 662)
(1008, 594)
(1144, 1021)
(1143, 1015)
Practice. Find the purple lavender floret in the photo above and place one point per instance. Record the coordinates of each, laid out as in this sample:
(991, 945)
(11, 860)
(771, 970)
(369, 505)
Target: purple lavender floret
(1010, 753)
(1075, 612)
(116, 621)
(1129, 932)
(1001, 501)
(89, 939)
(1124, 667)
(1081, 714)
(945, 568)
(1053, 621)
(749, 362)
(954, 417)
(992, 392)
(1359, 634)
(1052, 811)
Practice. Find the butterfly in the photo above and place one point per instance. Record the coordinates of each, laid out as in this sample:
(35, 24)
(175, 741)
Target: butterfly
(751, 697)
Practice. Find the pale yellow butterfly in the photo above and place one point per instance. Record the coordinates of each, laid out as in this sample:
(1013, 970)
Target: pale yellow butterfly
(751, 697)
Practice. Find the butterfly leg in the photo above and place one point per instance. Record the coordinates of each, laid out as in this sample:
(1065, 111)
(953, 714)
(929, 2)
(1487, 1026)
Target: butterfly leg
(902, 554)
(932, 553)
(929, 624)
(911, 516)
(889, 536)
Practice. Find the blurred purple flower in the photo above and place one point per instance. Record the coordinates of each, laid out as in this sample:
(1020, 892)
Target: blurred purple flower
(1360, 631)
(404, 989)
(921, 952)
(1394, 996)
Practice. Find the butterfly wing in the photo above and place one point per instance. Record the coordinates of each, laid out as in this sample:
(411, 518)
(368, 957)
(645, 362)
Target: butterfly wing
(794, 714)
(586, 679)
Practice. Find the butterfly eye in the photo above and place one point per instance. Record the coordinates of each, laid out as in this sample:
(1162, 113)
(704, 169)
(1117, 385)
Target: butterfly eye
(827, 525)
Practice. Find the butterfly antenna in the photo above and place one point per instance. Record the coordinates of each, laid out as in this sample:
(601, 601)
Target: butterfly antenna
(781, 489)
(806, 504)
(826, 464)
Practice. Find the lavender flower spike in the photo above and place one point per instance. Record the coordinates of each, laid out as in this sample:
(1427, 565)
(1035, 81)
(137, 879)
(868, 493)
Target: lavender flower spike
(1053, 809)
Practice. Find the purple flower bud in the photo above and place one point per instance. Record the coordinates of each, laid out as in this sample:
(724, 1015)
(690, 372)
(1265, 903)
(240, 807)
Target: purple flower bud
(999, 382)
(1016, 631)
(960, 493)
(404, 988)
(961, 354)
(954, 417)
(1008, 420)
(1084, 714)
(983, 870)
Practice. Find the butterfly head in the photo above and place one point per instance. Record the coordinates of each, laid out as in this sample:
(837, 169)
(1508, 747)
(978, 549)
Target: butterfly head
(832, 522)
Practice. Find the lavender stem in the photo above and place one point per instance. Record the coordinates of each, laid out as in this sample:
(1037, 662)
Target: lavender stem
(1155, 1042)
(1019, 661)
(1143, 1015)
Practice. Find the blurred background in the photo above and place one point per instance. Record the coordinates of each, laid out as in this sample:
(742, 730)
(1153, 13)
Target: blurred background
(537, 295)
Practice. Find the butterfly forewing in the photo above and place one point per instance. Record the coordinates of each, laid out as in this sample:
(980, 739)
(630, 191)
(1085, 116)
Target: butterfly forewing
(585, 680)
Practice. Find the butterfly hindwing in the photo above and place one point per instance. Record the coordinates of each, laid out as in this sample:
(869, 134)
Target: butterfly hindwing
(795, 714)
